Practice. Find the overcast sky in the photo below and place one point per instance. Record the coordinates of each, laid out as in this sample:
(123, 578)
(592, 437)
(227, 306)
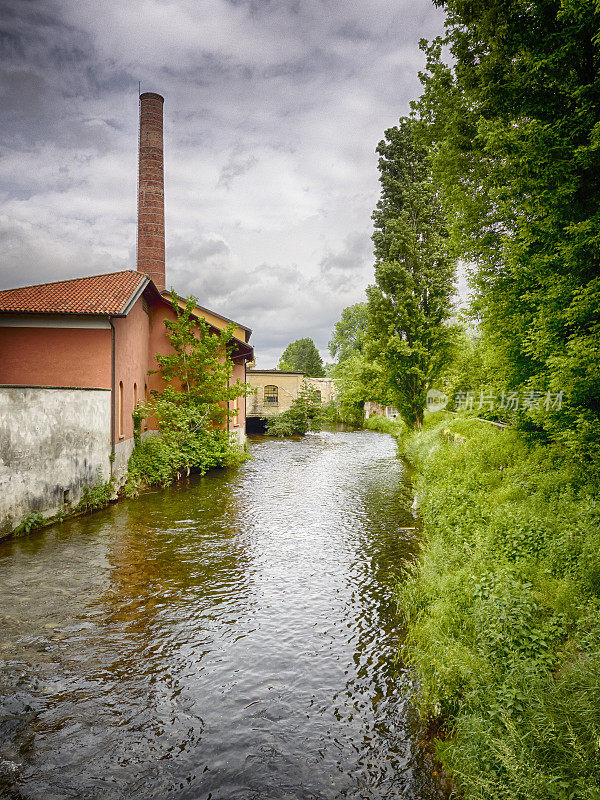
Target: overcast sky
(273, 110)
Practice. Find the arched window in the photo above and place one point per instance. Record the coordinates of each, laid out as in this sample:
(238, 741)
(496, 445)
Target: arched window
(271, 395)
(121, 410)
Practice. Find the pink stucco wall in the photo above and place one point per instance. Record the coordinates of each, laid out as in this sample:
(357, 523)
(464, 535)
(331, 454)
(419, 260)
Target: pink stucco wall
(160, 344)
(132, 337)
(74, 357)
(239, 373)
(78, 357)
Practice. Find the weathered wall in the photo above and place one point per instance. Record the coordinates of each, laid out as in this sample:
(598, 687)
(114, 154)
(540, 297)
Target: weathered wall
(52, 441)
(326, 386)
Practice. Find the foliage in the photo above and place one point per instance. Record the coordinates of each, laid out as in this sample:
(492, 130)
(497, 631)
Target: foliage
(304, 414)
(514, 131)
(160, 460)
(303, 356)
(384, 425)
(503, 612)
(410, 303)
(28, 523)
(349, 332)
(198, 371)
(97, 496)
(358, 380)
(192, 408)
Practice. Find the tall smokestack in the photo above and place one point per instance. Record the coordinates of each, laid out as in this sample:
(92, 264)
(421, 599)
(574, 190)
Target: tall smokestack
(151, 193)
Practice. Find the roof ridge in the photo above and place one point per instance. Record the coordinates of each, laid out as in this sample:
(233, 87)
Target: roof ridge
(72, 280)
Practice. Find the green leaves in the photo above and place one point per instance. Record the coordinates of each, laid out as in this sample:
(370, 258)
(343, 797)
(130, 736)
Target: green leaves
(303, 356)
(305, 413)
(193, 406)
(410, 304)
(512, 131)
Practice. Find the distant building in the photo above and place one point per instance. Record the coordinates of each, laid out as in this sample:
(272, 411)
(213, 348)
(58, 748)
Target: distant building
(373, 409)
(276, 390)
(75, 356)
(326, 387)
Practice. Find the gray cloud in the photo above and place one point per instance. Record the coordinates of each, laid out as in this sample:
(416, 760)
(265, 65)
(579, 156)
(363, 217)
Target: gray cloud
(272, 114)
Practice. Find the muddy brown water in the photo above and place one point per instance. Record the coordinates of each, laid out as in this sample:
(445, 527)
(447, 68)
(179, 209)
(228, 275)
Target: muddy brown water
(231, 637)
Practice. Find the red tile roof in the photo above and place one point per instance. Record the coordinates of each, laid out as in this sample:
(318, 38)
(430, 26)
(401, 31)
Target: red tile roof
(98, 294)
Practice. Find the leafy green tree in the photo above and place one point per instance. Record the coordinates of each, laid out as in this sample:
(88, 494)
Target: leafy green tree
(349, 332)
(410, 303)
(513, 125)
(303, 356)
(359, 380)
(193, 406)
(305, 413)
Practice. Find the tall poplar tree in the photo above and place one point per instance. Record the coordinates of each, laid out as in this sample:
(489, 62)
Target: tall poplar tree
(410, 303)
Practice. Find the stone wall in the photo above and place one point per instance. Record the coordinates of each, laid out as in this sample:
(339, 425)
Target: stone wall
(53, 442)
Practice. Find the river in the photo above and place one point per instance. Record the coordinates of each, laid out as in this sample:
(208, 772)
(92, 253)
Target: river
(234, 636)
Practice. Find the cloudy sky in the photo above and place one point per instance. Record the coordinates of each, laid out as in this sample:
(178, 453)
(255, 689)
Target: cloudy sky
(273, 110)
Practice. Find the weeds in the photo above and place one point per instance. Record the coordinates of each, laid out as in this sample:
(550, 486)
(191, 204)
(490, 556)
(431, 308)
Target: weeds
(28, 523)
(502, 613)
(97, 496)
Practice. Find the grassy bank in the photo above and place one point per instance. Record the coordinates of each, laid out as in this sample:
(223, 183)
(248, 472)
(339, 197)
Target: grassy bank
(503, 613)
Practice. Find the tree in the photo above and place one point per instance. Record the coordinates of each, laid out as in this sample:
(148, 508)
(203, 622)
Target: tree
(514, 127)
(410, 303)
(303, 356)
(358, 377)
(349, 332)
(305, 413)
(194, 405)
(359, 380)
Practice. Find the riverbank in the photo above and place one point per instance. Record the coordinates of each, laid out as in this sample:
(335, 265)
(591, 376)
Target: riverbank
(503, 612)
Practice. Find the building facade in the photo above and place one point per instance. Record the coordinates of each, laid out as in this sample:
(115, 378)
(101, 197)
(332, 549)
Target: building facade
(276, 389)
(77, 356)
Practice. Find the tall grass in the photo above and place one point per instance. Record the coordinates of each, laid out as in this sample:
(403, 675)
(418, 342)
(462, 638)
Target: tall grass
(503, 613)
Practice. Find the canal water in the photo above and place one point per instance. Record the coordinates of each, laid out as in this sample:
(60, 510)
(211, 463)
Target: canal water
(231, 637)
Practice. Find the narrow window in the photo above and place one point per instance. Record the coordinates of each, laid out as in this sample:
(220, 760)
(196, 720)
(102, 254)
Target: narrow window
(236, 411)
(271, 395)
(121, 415)
(135, 397)
(145, 401)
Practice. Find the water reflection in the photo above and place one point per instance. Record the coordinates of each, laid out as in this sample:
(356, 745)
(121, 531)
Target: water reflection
(232, 638)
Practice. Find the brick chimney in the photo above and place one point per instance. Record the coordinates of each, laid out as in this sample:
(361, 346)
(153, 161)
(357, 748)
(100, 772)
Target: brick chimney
(151, 195)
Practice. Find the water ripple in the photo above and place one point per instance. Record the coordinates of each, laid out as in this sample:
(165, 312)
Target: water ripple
(232, 637)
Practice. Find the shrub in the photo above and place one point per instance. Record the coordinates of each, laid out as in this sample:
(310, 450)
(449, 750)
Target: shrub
(159, 460)
(384, 425)
(304, 414)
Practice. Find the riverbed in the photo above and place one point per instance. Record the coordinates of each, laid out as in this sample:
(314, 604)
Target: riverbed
(234, 636)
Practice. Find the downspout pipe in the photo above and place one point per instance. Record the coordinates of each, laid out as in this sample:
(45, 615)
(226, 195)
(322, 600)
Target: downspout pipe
(112, 395)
